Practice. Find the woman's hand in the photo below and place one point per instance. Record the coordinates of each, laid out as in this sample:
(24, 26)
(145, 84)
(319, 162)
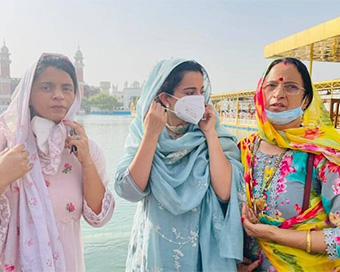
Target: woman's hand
(208, 125)
(247, 265)
(14, 164)
(155, 119)
(252, 226)
(81, 141)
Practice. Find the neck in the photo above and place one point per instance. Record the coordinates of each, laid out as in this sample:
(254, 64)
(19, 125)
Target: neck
(270, 149)
(294, 124)
(173, 120)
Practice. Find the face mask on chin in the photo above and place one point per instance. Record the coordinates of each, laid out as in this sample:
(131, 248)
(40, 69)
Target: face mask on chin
(284, 117)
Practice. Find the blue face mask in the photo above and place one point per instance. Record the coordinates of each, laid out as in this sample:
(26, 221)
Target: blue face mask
(284, 117)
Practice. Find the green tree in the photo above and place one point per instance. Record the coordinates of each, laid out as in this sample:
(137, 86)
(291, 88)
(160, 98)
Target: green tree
(85, 103)
(104, 101)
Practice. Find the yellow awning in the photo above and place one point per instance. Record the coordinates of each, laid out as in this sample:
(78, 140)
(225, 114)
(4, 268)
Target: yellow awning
(322, 40)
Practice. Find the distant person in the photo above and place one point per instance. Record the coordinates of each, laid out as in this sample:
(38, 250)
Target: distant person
(182, 167)
(292, 176)
(58, 177)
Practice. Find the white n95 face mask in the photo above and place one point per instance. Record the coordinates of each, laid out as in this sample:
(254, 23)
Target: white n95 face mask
(189, 108)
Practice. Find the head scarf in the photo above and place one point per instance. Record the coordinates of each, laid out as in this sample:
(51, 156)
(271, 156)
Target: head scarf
(33, 242)
(175, 185)
(317, 135)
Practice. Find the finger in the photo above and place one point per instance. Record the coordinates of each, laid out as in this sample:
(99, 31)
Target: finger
(153, 105)
(74, 142)
(253, 265)
(244, 210)
(253, 217)
(76, 126)
(158, 107)
(26, 161)
(19, 147)
(72, 138)
(209, 107)
(29, 167)
(80, 126)
(25, 154)
(248, 213)
(3, 152)
(246, 260)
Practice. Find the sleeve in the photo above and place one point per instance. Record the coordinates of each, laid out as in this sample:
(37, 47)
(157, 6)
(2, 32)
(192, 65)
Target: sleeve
(126, 187)
(3, 136)
(108, 202)
(5, 214)
(329, 174)
(5, 211)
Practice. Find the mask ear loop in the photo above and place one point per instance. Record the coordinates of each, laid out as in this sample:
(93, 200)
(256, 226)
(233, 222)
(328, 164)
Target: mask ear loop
(166, 107)
(303, 115)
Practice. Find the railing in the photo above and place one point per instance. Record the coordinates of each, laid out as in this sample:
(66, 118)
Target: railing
(237, 109)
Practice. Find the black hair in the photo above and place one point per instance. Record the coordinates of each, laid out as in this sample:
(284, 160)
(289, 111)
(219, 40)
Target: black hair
(307, 82)
(58, 62)
(176, 75)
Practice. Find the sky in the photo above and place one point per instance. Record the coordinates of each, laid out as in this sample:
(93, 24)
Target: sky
(122, 40)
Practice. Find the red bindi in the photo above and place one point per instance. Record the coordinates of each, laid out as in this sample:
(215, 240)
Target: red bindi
(281, 79)
(285, 62)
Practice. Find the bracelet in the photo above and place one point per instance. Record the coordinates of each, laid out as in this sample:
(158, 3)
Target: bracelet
(308, 241)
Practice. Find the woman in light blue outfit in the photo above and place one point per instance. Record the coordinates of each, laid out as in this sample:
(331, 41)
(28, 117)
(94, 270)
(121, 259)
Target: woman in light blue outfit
(183, 168)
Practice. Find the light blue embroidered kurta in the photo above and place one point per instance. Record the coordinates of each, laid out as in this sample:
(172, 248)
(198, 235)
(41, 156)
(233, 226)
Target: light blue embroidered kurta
(180, 224)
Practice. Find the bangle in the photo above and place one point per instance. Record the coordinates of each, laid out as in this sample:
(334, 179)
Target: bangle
(308, 241)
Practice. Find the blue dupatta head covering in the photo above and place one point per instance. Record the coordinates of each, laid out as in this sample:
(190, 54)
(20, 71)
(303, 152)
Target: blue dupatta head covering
(180, 177)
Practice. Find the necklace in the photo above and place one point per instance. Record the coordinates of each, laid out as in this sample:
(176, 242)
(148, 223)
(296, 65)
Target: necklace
(179, 130)
(260, 203)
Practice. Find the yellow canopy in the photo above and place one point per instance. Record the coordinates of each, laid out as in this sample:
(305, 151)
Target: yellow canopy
(320, 43)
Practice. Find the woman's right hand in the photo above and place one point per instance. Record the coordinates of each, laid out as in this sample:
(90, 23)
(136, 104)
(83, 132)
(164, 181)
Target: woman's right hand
(247, 265)
(13, 165)
(155, 119)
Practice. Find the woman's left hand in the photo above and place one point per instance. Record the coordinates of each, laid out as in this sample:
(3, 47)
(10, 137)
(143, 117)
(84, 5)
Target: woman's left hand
(253, 227)
(208, 124)
(79, 140)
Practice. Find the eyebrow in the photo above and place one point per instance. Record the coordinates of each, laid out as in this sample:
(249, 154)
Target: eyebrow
(46, 82)
(192, 88)
(51, 83)
(283, 82)
(67, 85)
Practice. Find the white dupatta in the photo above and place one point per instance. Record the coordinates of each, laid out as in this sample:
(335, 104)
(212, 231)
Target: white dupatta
(33, 242)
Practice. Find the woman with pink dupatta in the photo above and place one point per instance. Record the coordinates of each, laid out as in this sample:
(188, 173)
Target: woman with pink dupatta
(61, 173)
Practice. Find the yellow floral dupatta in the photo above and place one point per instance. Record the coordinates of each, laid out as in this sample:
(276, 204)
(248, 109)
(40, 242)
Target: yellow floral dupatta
(318, 136)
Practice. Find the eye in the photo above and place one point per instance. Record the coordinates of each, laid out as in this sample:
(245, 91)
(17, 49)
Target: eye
(46, 88)
(68, 89)
(270, 86)
(292, 87)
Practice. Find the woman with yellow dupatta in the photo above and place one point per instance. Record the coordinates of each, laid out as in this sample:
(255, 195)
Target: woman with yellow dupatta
(292, 176)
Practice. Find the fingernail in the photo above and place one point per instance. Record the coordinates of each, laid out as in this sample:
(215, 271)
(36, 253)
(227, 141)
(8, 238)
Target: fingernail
(64, 121)
(242, 219)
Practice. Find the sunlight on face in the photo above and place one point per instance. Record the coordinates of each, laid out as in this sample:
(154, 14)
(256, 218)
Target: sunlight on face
(282, 76)
(52, 94)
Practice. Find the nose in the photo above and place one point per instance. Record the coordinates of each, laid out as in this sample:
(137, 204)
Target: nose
(279, 91)
(58, 94)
